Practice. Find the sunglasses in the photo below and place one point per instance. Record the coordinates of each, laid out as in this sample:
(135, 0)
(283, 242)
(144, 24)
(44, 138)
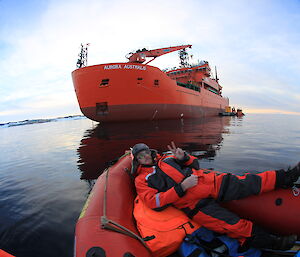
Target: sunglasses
(143, 154)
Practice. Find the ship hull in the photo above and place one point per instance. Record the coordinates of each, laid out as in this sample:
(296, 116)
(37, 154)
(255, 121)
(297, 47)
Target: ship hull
(122, 92)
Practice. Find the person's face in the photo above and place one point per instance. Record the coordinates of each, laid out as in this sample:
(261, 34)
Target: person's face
(144, 157)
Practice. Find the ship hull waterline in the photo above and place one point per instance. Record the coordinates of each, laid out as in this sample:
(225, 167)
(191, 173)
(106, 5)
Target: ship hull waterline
(135, 112)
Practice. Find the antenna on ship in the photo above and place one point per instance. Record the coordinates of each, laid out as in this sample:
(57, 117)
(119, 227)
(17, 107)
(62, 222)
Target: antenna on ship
(184, 58)
(82, 60)
(216, 74)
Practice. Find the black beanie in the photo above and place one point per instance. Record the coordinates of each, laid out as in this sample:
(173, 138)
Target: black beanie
(135, 150)
(138, 148)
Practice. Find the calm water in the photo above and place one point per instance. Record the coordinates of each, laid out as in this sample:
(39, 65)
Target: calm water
(47, 170)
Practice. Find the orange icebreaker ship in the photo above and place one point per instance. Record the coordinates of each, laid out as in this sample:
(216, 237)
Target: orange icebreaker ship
(135, 91)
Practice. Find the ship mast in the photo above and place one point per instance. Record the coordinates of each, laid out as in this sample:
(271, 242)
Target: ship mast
(184, 58)
(216, 74)
(82, 60)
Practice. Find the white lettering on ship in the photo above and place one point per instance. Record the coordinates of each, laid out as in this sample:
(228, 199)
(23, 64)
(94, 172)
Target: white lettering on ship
(137, 67)
(109, 67)
(126, 66)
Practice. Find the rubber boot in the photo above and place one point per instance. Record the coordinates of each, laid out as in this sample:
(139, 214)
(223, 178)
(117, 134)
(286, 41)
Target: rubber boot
(262, 239)
(285, 179)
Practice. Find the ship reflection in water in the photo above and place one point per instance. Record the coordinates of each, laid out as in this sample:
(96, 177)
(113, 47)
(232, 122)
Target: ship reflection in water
(106, 142)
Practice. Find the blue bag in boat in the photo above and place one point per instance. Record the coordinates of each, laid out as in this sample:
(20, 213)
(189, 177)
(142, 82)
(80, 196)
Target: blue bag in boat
(206, 243)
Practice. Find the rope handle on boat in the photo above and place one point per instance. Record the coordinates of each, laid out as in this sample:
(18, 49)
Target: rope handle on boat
(107, 224)
(112, 225)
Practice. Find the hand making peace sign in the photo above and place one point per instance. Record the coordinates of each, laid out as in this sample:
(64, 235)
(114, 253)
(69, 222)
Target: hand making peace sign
(178, 152)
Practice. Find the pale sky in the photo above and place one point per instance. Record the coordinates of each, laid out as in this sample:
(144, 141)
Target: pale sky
(255, 45)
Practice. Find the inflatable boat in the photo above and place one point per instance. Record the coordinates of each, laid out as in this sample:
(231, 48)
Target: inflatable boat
(5, 254)
(106, 226)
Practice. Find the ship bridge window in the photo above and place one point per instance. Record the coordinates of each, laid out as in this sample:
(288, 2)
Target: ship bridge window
(211, 89)
(104, 82)
(189, 86)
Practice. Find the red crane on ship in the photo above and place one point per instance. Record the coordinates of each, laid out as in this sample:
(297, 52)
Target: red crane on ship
(140, 55)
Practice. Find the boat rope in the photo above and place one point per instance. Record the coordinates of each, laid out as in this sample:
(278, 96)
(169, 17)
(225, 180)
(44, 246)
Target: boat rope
(296, 191)
(112, 225)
